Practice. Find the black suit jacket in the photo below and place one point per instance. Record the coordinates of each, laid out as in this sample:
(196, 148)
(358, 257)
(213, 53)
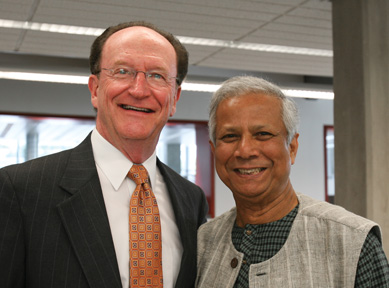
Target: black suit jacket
(54, 229)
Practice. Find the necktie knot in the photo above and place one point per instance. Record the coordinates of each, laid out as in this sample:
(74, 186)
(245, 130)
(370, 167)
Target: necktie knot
(138, 173)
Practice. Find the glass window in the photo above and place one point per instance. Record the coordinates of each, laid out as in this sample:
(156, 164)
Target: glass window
(329, 163)
(26, 137)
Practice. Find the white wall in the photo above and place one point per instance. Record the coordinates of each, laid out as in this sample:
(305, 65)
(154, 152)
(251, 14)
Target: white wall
(46, 98)
(62, 99)
(308, 172)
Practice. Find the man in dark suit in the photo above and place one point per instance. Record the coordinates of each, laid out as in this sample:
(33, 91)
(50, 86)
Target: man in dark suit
(64, 217)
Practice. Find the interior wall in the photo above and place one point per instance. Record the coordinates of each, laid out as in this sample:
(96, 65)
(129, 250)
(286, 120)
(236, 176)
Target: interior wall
(64, 99)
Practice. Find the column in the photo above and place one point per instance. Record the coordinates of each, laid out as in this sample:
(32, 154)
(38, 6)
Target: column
(361, 108)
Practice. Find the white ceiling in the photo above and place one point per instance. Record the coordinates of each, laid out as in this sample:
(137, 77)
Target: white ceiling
(296, 23)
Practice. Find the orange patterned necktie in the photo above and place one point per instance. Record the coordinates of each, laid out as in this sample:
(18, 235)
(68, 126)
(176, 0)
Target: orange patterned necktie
(145, 233)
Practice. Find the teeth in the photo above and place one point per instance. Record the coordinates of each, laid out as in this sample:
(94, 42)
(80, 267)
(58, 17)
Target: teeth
(128, 107)
(250, 171)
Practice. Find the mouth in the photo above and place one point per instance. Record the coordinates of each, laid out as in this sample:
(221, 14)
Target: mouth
(128, 107)
(251, 171)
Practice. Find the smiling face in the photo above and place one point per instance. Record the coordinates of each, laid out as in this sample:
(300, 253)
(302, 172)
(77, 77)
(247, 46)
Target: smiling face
(133, 114)
(251, 152)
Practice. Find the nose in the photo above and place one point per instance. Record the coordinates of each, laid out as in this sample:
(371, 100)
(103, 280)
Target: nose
(139, 87)
(247, 148)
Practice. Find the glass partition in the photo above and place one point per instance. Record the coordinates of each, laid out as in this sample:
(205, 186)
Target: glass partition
(329, 153)
(183, 145)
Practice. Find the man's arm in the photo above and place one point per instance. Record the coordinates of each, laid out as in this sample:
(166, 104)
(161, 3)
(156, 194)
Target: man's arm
(373, 267)
(12, 250)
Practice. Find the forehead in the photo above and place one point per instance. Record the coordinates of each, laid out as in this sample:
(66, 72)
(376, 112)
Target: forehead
(253, 101)
(138, 41)
(250, 108)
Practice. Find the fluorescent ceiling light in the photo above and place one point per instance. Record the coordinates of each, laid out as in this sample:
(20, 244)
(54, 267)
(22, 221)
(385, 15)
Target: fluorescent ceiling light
(89, 31)
(186, 86)
(255, 46)
(41, 77)
(54, 28)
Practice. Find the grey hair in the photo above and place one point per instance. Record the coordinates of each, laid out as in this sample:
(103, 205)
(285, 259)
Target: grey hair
(242, 85)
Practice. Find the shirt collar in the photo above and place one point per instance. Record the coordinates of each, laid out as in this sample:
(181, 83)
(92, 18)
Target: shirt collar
(114, 164)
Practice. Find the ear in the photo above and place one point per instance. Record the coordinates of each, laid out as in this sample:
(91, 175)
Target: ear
(93, 85)
(175, 100)
(212, 147)
(293, 147)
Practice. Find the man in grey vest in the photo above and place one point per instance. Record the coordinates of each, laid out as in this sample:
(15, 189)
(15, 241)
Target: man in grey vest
(275, 237)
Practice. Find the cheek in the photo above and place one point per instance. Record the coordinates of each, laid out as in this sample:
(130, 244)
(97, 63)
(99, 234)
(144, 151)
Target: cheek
(222, 170)
(222, 155)
(112, 93)
(111, 89)
(282, 159)
(167, 103)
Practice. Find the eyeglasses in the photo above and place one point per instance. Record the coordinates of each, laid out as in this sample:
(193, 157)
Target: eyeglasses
(153, 78)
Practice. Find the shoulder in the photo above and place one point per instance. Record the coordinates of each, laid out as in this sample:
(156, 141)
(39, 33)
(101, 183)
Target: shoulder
(215, 235)
(334, 214)
(48, 165)
(36, 165)
(30, 180)
(219, 225)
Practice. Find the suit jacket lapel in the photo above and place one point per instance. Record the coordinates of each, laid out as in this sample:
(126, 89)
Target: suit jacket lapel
(178, 202)
(85, 219)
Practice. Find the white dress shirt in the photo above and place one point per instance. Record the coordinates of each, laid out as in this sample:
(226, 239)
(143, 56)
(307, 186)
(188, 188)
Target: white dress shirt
(112, 167)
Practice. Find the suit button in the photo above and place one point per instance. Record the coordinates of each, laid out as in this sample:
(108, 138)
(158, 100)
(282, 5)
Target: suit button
(248, 232)
(234, 263)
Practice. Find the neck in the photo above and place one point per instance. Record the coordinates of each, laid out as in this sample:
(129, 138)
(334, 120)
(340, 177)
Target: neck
(137, 154)
(137, 151)
(265, 211)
